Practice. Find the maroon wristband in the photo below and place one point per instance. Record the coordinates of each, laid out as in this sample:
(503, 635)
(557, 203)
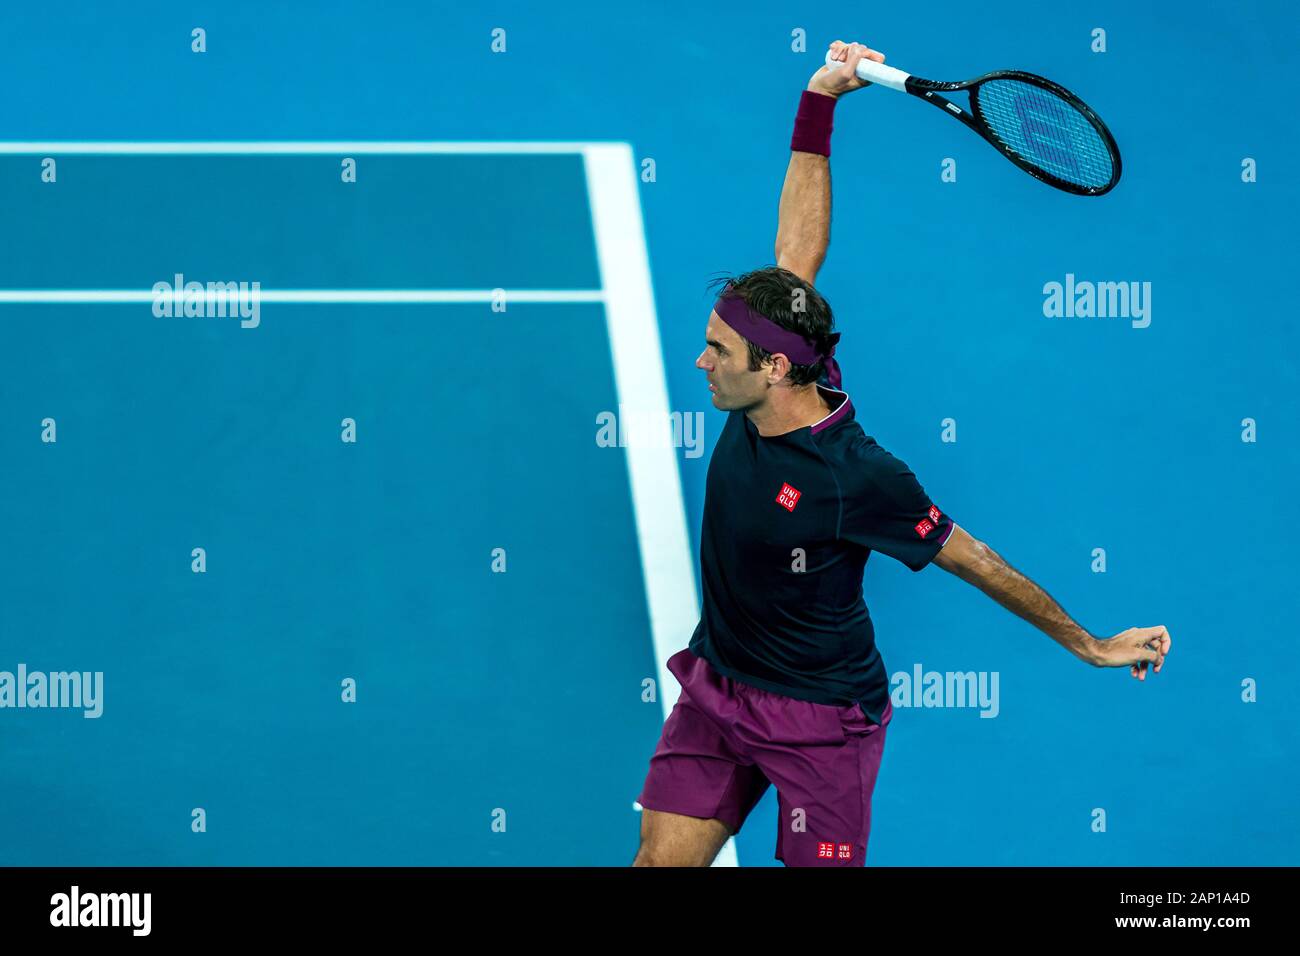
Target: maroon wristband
(812, 124)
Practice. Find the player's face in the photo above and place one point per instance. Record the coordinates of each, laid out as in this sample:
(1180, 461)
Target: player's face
(725, 362)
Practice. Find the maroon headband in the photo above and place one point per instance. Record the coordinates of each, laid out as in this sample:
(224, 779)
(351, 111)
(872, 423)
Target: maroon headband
(765, 333)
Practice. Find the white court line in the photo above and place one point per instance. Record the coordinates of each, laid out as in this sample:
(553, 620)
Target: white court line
(343, 147)
(376, 296)
(639, 373)
(660, 514)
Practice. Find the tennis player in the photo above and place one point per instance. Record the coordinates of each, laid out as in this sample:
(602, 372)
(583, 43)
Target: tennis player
(782, 681)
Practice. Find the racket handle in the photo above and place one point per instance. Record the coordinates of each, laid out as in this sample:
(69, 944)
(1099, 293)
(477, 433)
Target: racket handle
(872, 72)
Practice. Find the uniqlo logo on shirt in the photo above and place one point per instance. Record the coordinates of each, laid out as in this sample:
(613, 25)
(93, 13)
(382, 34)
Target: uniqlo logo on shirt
(935, 514)
(788, 498)
(825, 851)
(924, 527)
(846, 851)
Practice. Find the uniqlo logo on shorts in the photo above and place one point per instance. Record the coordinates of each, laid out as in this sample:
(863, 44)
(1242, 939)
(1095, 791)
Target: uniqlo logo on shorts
(788, 498)
(935, 514)
(825, 851)
(846, 851)
(924, 527)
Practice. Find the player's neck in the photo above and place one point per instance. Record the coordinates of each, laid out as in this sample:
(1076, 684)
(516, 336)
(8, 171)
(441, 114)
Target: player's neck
(787, 410)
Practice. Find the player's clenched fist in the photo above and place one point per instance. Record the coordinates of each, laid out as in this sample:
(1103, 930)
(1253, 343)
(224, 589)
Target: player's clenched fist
(843, 79)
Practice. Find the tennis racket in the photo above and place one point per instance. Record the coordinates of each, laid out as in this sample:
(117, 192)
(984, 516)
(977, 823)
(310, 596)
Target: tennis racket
(1040, 126)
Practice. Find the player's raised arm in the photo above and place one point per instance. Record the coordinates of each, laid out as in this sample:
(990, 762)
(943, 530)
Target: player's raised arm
(976, 563)
(804, 219)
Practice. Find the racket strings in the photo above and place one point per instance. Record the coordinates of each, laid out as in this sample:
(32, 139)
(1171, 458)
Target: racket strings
(1047, 131)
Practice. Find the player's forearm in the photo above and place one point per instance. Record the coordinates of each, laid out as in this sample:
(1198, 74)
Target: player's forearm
(1022, 597)
(804, 218)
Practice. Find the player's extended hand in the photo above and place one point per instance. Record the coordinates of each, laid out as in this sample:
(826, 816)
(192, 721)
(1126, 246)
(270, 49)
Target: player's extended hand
(834, 82)
(1137, 647)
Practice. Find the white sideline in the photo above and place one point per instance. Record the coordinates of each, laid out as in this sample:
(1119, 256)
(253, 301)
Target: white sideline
(639, 373)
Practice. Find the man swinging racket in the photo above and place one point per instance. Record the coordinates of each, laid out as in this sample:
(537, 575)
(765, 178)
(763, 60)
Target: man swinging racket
(782, 682)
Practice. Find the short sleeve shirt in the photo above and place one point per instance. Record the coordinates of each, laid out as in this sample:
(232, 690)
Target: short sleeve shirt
(789, 522)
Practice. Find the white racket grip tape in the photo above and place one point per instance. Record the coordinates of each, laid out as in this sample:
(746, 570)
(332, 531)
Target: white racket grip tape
(873, 72)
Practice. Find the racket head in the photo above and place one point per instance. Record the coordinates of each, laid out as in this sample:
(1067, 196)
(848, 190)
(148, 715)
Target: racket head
(1046, 130)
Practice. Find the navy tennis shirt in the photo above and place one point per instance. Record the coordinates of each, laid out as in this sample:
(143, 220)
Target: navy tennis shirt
(789, 522)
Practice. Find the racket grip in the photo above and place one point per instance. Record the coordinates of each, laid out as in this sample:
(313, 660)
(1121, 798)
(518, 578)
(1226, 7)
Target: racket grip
(872, 72)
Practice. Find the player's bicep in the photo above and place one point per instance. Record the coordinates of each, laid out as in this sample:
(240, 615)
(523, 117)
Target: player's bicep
(890, 512)
(804, 266)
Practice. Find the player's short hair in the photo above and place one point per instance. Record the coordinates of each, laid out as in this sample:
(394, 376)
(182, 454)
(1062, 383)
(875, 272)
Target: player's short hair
(791, 303)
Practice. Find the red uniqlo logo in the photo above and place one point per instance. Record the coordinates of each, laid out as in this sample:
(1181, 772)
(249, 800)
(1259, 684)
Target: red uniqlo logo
(935, 514)
(846, 851)
(924, 527)
(825, 851)
(788, 498)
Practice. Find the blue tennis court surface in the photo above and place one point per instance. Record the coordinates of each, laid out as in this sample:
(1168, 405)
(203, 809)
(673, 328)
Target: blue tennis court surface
(487, 680)
(497, 582)
(292, 221)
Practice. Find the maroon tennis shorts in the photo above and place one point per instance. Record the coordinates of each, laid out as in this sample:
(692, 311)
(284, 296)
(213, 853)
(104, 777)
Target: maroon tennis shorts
(725, 741)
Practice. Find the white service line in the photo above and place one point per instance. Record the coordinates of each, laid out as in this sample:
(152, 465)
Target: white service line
(376, 296)
(342, 147)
